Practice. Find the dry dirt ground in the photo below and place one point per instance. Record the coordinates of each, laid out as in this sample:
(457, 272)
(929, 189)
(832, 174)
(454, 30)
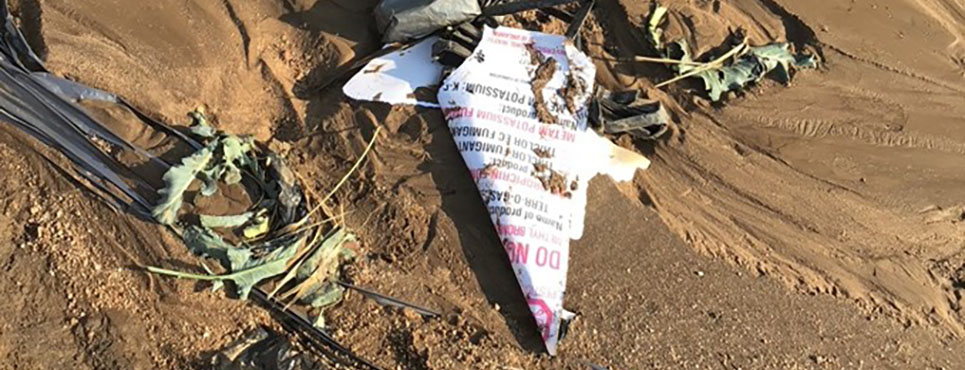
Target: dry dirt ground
(818, 226)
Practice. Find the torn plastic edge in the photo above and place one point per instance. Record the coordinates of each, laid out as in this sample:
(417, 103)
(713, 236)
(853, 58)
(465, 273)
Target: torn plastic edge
(340, 72)
(625, 112)
(77, 92)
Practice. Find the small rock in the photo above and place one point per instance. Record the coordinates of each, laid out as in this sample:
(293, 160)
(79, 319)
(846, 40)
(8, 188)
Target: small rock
(699, 273)
(411, 314)
(818, 359)
(279, 147)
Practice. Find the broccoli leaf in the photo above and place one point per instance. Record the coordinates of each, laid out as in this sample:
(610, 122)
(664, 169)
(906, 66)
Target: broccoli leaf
(749, 68)
(272, 264)
(325, 295)
(235, 153)
(206, 243)
(245, 279)
(225, 221)
(201, 127)
(177, 179)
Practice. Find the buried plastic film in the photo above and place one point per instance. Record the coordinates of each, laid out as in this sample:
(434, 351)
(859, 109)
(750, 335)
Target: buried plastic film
(517, 110)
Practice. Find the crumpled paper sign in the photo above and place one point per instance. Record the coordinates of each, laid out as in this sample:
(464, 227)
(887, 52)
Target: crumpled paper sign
(517, 110)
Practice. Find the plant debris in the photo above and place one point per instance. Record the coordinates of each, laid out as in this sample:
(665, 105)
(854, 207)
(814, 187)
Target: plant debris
(741, 66)
(278, 239)
(47, 108)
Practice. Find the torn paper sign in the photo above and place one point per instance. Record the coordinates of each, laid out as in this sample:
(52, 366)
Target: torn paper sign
(406, 76)
(517, 110)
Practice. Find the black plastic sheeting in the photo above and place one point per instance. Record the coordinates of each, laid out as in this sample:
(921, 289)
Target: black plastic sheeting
(263, 349)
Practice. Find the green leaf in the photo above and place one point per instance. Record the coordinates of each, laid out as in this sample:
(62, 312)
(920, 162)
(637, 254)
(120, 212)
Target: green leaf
(206, 243)
(177, 179)
(200, 127)
(235, 153)
(778, 57)
(318, 269)
(235, 148)
(290, 275)
(733, 77)
(272, 264)
(326, 256)
(251, 274)
(325, 295)
(215, 285)
(225, 221)
(319, 320)
(749, 68)
(209, 184)
(681, 48)
(203, 131)
(232, 174)
(245, 280)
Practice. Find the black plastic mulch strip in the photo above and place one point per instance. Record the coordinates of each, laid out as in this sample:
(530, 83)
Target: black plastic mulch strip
(24, 109)
(15, 45)
(558, 14)
(77, 92)
(573, 31)
(44, 106)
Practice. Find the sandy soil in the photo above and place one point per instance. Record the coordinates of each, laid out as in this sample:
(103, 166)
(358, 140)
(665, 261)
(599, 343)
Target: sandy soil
(815, 226)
